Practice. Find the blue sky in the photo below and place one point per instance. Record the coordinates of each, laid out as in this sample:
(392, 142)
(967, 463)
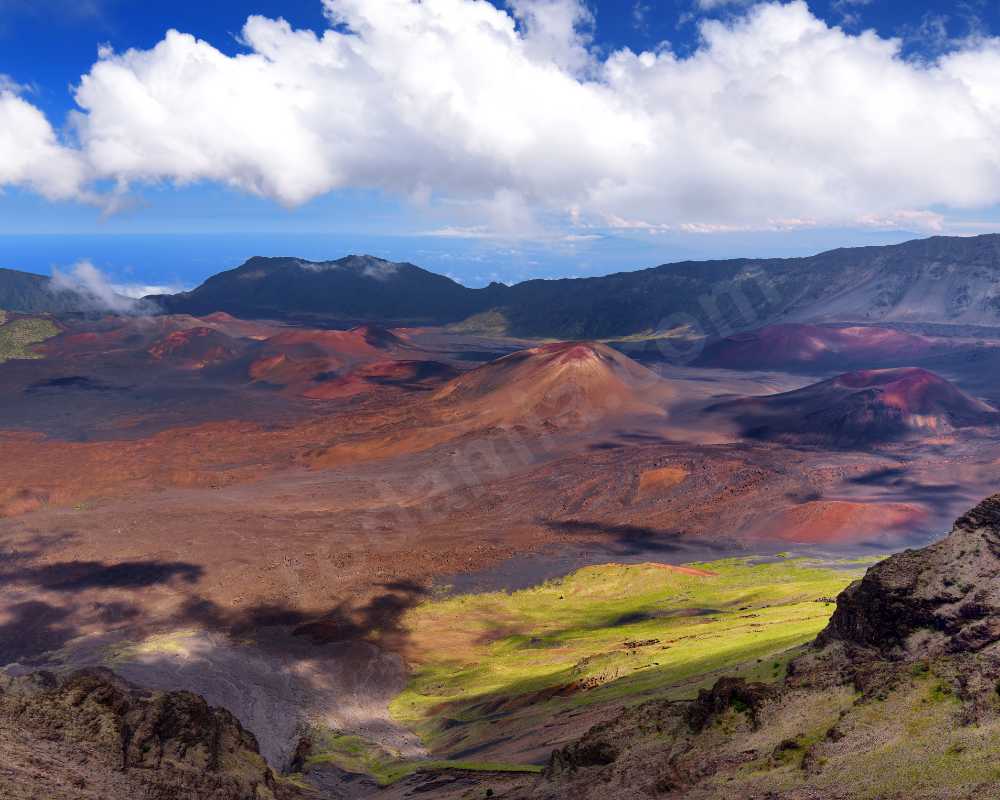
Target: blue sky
(179, 223)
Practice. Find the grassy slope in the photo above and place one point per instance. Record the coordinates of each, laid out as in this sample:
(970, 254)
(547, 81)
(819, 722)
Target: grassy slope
(486, 323)
(18, 336)
(492, 665)
(911, 741)
(355, 754)
(567, 643)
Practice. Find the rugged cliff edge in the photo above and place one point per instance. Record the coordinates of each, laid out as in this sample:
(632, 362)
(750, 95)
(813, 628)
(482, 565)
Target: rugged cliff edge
(942, 599)
(91, 735)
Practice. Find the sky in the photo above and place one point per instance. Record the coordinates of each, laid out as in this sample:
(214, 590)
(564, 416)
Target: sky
(165, 141)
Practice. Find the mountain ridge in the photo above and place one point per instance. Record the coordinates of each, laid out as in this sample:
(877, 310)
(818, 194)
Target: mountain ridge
(940, 280)
(33, 294)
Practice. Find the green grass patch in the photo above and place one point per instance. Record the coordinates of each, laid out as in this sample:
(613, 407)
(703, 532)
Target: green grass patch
(18, 337)
(176, 643)
(356, 754)
(682, 332)
(485, 323)
(605, 634)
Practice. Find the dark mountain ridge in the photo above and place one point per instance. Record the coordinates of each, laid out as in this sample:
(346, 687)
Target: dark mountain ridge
(33, 294)
(953, 281)
(941, 280)
(354, 288)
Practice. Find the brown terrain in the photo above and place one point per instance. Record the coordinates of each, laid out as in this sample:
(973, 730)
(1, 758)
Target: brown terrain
(800, 347)
(264, 502)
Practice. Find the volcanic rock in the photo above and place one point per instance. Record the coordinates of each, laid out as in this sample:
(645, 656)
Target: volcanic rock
(92, 731)
(591, 751)
(942, 599)
(728, 693)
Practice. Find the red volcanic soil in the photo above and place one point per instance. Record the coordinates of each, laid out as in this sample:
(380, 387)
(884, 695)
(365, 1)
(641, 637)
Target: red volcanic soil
(553, 387)
(863, 407)
(553, 384)
(788, 346)
(917, 394)
(412, 375)
(283, 369)
(195, 348)
(231, 326)
(85, 341)
(297, 357)
(113, 334)
(359, 342)
(841, 522)
(117, 334)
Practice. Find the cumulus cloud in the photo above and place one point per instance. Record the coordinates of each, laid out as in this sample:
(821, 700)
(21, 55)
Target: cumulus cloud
(776, 120)
(94, 292)
(30, 152)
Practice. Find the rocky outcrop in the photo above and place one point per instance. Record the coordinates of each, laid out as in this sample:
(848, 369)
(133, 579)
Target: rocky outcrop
(96, 735)
(728, 693)
(921, 603)
(594, 750)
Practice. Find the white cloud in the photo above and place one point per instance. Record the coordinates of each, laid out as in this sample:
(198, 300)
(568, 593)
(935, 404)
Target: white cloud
(929, 221)
(30, 153)
(10, 86)
(556, 31)
(137, 291)
(507, 118)
(95, 292)
(712, 5)
(850, 10)
(458, 232)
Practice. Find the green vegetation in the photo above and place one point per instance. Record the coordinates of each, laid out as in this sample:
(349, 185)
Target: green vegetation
(684, 333)
(17, 336)
(175, 643)
(485, 323)
(355, 754)
(492, 663)
(909, 744)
